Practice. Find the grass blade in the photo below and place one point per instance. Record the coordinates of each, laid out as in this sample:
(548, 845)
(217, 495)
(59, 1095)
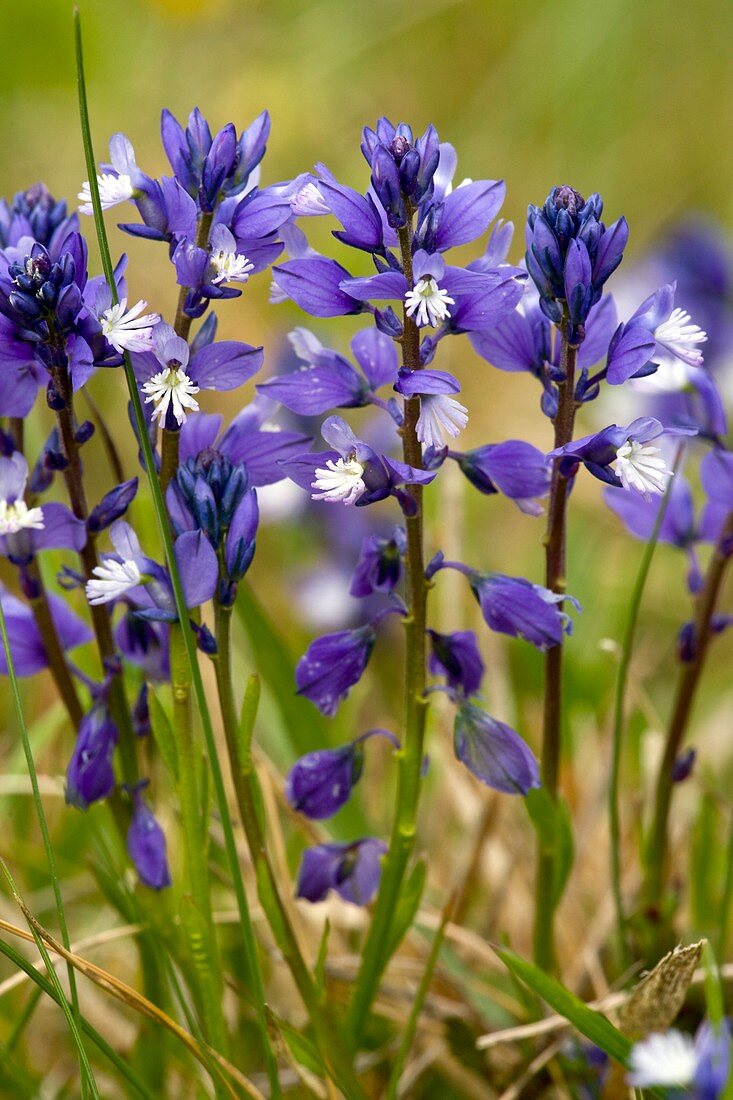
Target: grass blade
(586, 1020)
(43, 824)
(180, 602)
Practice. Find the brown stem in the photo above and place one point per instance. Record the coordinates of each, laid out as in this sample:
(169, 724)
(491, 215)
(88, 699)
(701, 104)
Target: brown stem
(100, 616)
(687, 684)
(54, 652)
(556, 581)
(182, 326)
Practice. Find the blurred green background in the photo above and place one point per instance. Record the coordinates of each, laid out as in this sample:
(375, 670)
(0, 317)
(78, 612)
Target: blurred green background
(632, 98)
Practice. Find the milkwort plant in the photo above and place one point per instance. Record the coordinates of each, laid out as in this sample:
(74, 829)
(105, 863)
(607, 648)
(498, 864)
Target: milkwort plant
(152, 614)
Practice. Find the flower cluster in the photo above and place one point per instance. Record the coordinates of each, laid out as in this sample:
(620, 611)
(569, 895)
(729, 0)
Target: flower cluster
(58, 325)
(407, 221)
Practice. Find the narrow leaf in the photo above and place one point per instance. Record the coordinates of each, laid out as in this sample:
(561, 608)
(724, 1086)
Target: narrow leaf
(590, 1023)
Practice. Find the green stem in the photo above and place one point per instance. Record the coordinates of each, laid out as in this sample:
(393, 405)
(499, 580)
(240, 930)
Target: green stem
(238, 738)
(627, 644)
(687, 684)
(197, 915)
(40, 812)
(555, 580)
(727, 898)
(71, 1012)
(165, 534)
(52, 991)
(417, 1005)
(375, 955)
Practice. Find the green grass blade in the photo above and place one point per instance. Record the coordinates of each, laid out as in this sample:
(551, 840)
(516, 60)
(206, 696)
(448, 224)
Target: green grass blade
(417, 1005)
(68, 1011)
(586, 1020)
(45, 986)
(179, 598)
(41, 815)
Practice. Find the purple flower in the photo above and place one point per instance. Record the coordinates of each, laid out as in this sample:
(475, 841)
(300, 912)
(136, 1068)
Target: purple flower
(112, 506)
(25, 531)
(713, 1049)
(525, 341)
(571, 254)
(35, 213)
(408, 175)
(456, 656)
(250, 440)
(145, 644)
(146, 843)
(353, 473)
(211, 494)
(224, 365)
(440, 295)
(314, 283)
(26, 642)
(379, 567)
(353, 870)
(401, 166)
(494, 752)
(145, 584)
(332, 665)
(622, 456)
(210, 168)
(321, 782)
(90, 775)
(716, 474)
(327, 380)
(514, 468)
(515, 606)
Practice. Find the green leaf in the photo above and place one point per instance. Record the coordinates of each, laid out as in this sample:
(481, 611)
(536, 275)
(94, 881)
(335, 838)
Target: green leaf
(163, 733)
(300, 1047)
(407, 907)
(319, 970)
(305, 727)
(552, 821)
(588, 1022)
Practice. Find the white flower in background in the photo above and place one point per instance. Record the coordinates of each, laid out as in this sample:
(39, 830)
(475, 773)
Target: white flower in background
(663, 1059)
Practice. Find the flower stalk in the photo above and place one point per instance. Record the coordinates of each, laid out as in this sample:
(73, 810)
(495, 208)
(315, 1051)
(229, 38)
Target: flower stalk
(170, 440)
(555, 581)
(249, 801)
(410, 756)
